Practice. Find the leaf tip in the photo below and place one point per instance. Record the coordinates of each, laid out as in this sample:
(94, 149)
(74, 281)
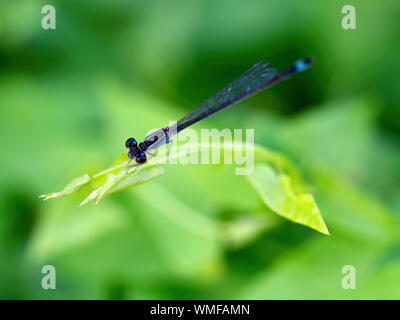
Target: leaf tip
(49, 196)
(324, 229)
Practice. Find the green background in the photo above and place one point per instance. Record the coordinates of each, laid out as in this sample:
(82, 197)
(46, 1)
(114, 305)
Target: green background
(112, 69)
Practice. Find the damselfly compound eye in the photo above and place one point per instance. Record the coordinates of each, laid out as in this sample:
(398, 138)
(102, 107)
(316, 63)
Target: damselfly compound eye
(130, 142)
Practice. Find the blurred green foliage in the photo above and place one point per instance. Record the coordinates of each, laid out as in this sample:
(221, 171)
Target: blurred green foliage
(112, 69)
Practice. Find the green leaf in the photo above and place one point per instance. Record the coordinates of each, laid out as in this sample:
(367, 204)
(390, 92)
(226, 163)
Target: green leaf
(272, 178)
(277, 193)
(118, 177)
(73, 186)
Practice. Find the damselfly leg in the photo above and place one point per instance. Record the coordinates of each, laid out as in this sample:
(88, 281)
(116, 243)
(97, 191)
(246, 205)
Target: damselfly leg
(129, 165)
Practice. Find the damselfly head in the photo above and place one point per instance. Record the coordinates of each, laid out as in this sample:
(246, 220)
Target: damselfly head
(141, 158)
(131, 142)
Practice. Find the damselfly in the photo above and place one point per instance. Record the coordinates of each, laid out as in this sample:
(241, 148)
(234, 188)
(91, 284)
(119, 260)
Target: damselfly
(257, 78)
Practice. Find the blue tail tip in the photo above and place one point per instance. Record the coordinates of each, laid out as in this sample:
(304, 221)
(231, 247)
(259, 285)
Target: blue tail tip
(303, 64)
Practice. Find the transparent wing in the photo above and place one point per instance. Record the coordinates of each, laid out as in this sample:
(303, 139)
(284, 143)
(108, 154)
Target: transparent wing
(257, 77)
(155, 140)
